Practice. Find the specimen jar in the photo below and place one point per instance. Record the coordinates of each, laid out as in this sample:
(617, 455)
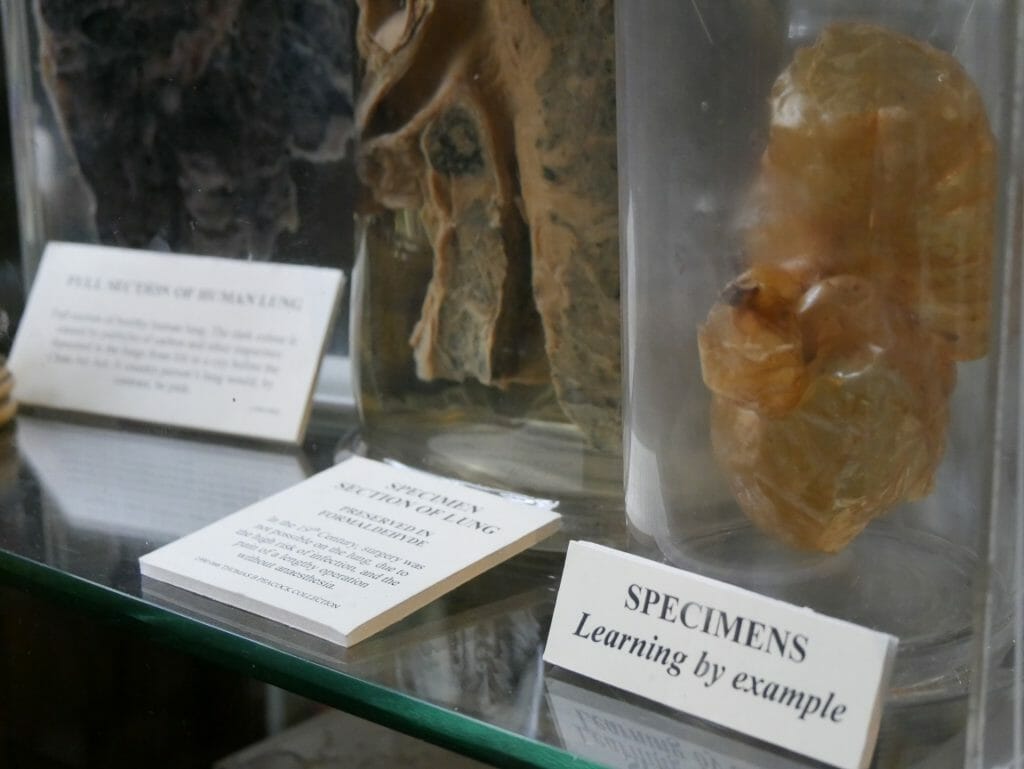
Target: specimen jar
(485, 314)
(821, 291)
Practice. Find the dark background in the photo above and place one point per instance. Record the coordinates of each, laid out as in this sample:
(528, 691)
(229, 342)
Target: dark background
(77, 692)
(11, 293)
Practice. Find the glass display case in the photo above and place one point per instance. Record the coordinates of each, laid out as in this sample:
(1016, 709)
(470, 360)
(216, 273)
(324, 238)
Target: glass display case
(80, 503)
(486, 297)
(822, 312)
(813, 367)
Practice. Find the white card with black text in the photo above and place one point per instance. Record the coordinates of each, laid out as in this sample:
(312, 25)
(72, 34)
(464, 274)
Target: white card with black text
(351, 550)
(783, 674)
(219, 345)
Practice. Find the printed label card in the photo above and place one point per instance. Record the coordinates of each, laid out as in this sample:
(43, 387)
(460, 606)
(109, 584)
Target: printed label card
(773, 671)
(351, 550)
(219, 345)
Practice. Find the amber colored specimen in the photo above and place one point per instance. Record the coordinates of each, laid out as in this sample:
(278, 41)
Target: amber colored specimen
(881, 163)
(750, 347)
(869, 429)
(869, 240)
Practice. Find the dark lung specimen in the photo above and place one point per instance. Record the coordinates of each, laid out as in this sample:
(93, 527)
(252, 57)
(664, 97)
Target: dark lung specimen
(191, 120)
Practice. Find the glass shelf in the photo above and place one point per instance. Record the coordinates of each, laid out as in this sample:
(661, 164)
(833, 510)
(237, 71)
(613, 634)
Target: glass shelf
(81, 501)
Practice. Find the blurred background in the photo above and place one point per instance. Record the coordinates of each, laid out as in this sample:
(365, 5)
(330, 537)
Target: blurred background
(77, 693)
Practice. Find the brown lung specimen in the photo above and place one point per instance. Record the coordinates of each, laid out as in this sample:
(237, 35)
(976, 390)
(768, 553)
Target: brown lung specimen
(472, 116)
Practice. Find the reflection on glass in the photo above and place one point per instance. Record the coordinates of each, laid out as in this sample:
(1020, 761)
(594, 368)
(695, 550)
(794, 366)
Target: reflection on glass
(339, 741)
(144, 485)
(628, 733)
(627, 736)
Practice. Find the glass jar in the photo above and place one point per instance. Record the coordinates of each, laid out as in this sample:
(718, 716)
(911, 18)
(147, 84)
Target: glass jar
(818, 204)
(486, 293)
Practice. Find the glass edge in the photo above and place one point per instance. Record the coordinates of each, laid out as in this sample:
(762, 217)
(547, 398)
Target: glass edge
(360, 698)
(1005, 515)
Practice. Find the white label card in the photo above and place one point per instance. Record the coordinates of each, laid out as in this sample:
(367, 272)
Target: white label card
(219, 345)
(786, 675)
(352, 549)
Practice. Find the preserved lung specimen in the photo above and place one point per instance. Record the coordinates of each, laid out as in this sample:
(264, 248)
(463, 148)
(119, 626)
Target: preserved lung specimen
(559, 63)
(471, 118)
(475, 302)
(188, 118)
(869, 238)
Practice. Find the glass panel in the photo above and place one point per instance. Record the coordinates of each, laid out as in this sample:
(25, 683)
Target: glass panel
(465, 671)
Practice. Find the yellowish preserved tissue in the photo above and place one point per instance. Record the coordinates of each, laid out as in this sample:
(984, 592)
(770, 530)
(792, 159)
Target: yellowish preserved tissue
(869, 236)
